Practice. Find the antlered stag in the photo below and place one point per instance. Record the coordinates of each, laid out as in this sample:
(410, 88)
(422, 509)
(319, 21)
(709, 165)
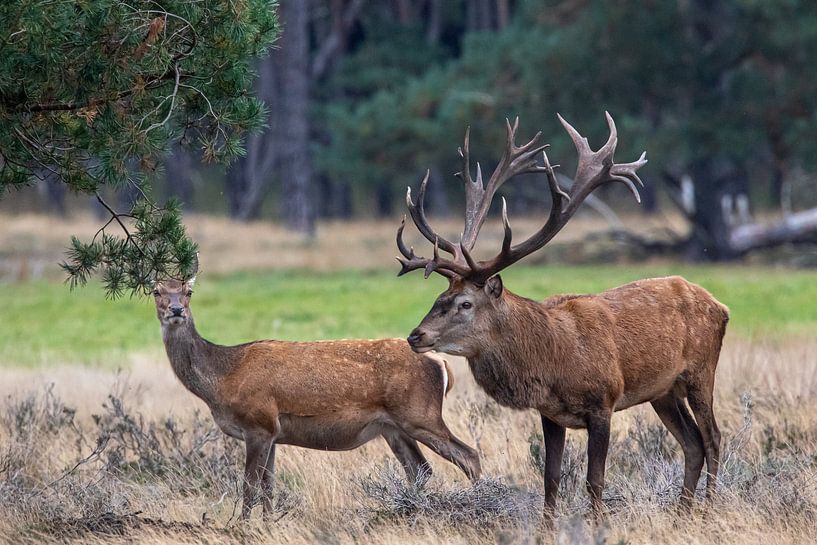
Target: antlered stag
(328, 395)
(574, 358)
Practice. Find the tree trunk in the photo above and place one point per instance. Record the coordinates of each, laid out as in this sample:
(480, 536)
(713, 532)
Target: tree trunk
(479, 15)
(179, 176)
(717, 182)
(295, 167)
(434, 22)
(53, 189)
(248, 178)
(503, 13)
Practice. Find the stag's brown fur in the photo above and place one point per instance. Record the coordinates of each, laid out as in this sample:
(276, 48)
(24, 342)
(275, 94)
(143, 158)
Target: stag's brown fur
(578, 358)
(329, 395)
(574, 358)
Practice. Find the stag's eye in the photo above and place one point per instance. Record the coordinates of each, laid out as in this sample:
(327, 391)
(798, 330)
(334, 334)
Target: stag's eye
(466, 305)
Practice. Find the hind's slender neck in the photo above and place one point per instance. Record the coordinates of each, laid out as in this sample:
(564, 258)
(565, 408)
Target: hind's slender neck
(198, 364)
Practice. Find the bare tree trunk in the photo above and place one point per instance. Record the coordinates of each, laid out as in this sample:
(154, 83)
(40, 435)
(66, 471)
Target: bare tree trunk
(295, 167)
(503, 13)
(53, 189)
(405, 13)
(714, 178)
(479, 15)
(248, 178)
(334, 45)
(434, 28)
(438, 197)
(179, 176)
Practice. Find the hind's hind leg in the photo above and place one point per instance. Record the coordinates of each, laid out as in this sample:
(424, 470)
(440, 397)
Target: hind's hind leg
(407, 451)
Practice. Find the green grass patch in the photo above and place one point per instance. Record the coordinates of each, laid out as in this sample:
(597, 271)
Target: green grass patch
(45, 323)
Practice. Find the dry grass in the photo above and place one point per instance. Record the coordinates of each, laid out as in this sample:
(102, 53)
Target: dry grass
(151, 469)
(31, 245)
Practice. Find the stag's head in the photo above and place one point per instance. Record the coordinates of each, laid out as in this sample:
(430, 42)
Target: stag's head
(465, 314)
(461, 317)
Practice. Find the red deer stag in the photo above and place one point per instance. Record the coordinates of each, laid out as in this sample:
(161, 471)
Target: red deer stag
(574, 358)
(329, 395)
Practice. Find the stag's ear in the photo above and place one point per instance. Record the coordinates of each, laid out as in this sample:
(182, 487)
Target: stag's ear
(493, 286)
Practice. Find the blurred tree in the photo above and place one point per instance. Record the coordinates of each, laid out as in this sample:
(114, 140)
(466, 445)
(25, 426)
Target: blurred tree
(95, 92)
(295, 165)
(720, 91)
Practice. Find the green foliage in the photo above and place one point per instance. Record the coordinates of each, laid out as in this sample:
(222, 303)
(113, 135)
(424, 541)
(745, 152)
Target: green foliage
(93, 93)
(683, 80)
(157, 248)
(81, 326)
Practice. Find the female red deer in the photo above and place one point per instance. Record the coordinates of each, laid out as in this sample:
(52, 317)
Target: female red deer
(329, 395)
(574, 358)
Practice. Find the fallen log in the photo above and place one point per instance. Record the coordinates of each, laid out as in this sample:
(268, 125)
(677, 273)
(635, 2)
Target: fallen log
(799, 227)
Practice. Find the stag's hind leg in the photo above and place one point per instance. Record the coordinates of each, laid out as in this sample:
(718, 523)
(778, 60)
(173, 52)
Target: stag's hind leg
(700, 401)
(673, 413)
(408, 453)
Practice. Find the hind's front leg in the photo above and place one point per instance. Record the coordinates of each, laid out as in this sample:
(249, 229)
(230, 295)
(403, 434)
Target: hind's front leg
(259, 444)
(267, 480)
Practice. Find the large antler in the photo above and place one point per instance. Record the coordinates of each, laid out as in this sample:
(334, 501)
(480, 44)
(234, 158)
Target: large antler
(515, 160)
(595, 168)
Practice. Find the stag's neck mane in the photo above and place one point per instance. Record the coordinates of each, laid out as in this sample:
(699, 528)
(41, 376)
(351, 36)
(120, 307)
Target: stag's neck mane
(198, 363)
(513, 343)
(521, 350)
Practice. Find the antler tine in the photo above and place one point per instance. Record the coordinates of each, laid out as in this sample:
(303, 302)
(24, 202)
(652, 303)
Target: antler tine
(410, 261)
(418, 215)
(515, 160)
(609, 147)
(582, 146)
(557, 194)
(465, 154)
(408, 252)
(506, 225)
(594, 169)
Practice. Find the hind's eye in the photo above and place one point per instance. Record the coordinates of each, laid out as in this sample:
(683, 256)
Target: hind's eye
(156, 293)
(189, 293)
(466, 305)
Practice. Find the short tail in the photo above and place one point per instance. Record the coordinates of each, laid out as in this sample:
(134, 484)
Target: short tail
(447, 375)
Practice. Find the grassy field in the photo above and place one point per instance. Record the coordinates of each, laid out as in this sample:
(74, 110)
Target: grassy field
(91, 454)
(45, 322)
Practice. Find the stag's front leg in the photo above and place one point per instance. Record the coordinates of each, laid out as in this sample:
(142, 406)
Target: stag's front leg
(598, 429)
(259, 445)
(554, 436)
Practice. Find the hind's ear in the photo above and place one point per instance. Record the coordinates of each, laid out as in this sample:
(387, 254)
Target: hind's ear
(191, 282)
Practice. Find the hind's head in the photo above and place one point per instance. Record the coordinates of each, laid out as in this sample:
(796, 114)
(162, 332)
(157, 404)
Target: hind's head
(172, 299)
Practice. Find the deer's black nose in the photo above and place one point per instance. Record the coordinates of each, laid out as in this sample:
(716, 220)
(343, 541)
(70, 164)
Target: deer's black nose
(416, 336)
(177, 310)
